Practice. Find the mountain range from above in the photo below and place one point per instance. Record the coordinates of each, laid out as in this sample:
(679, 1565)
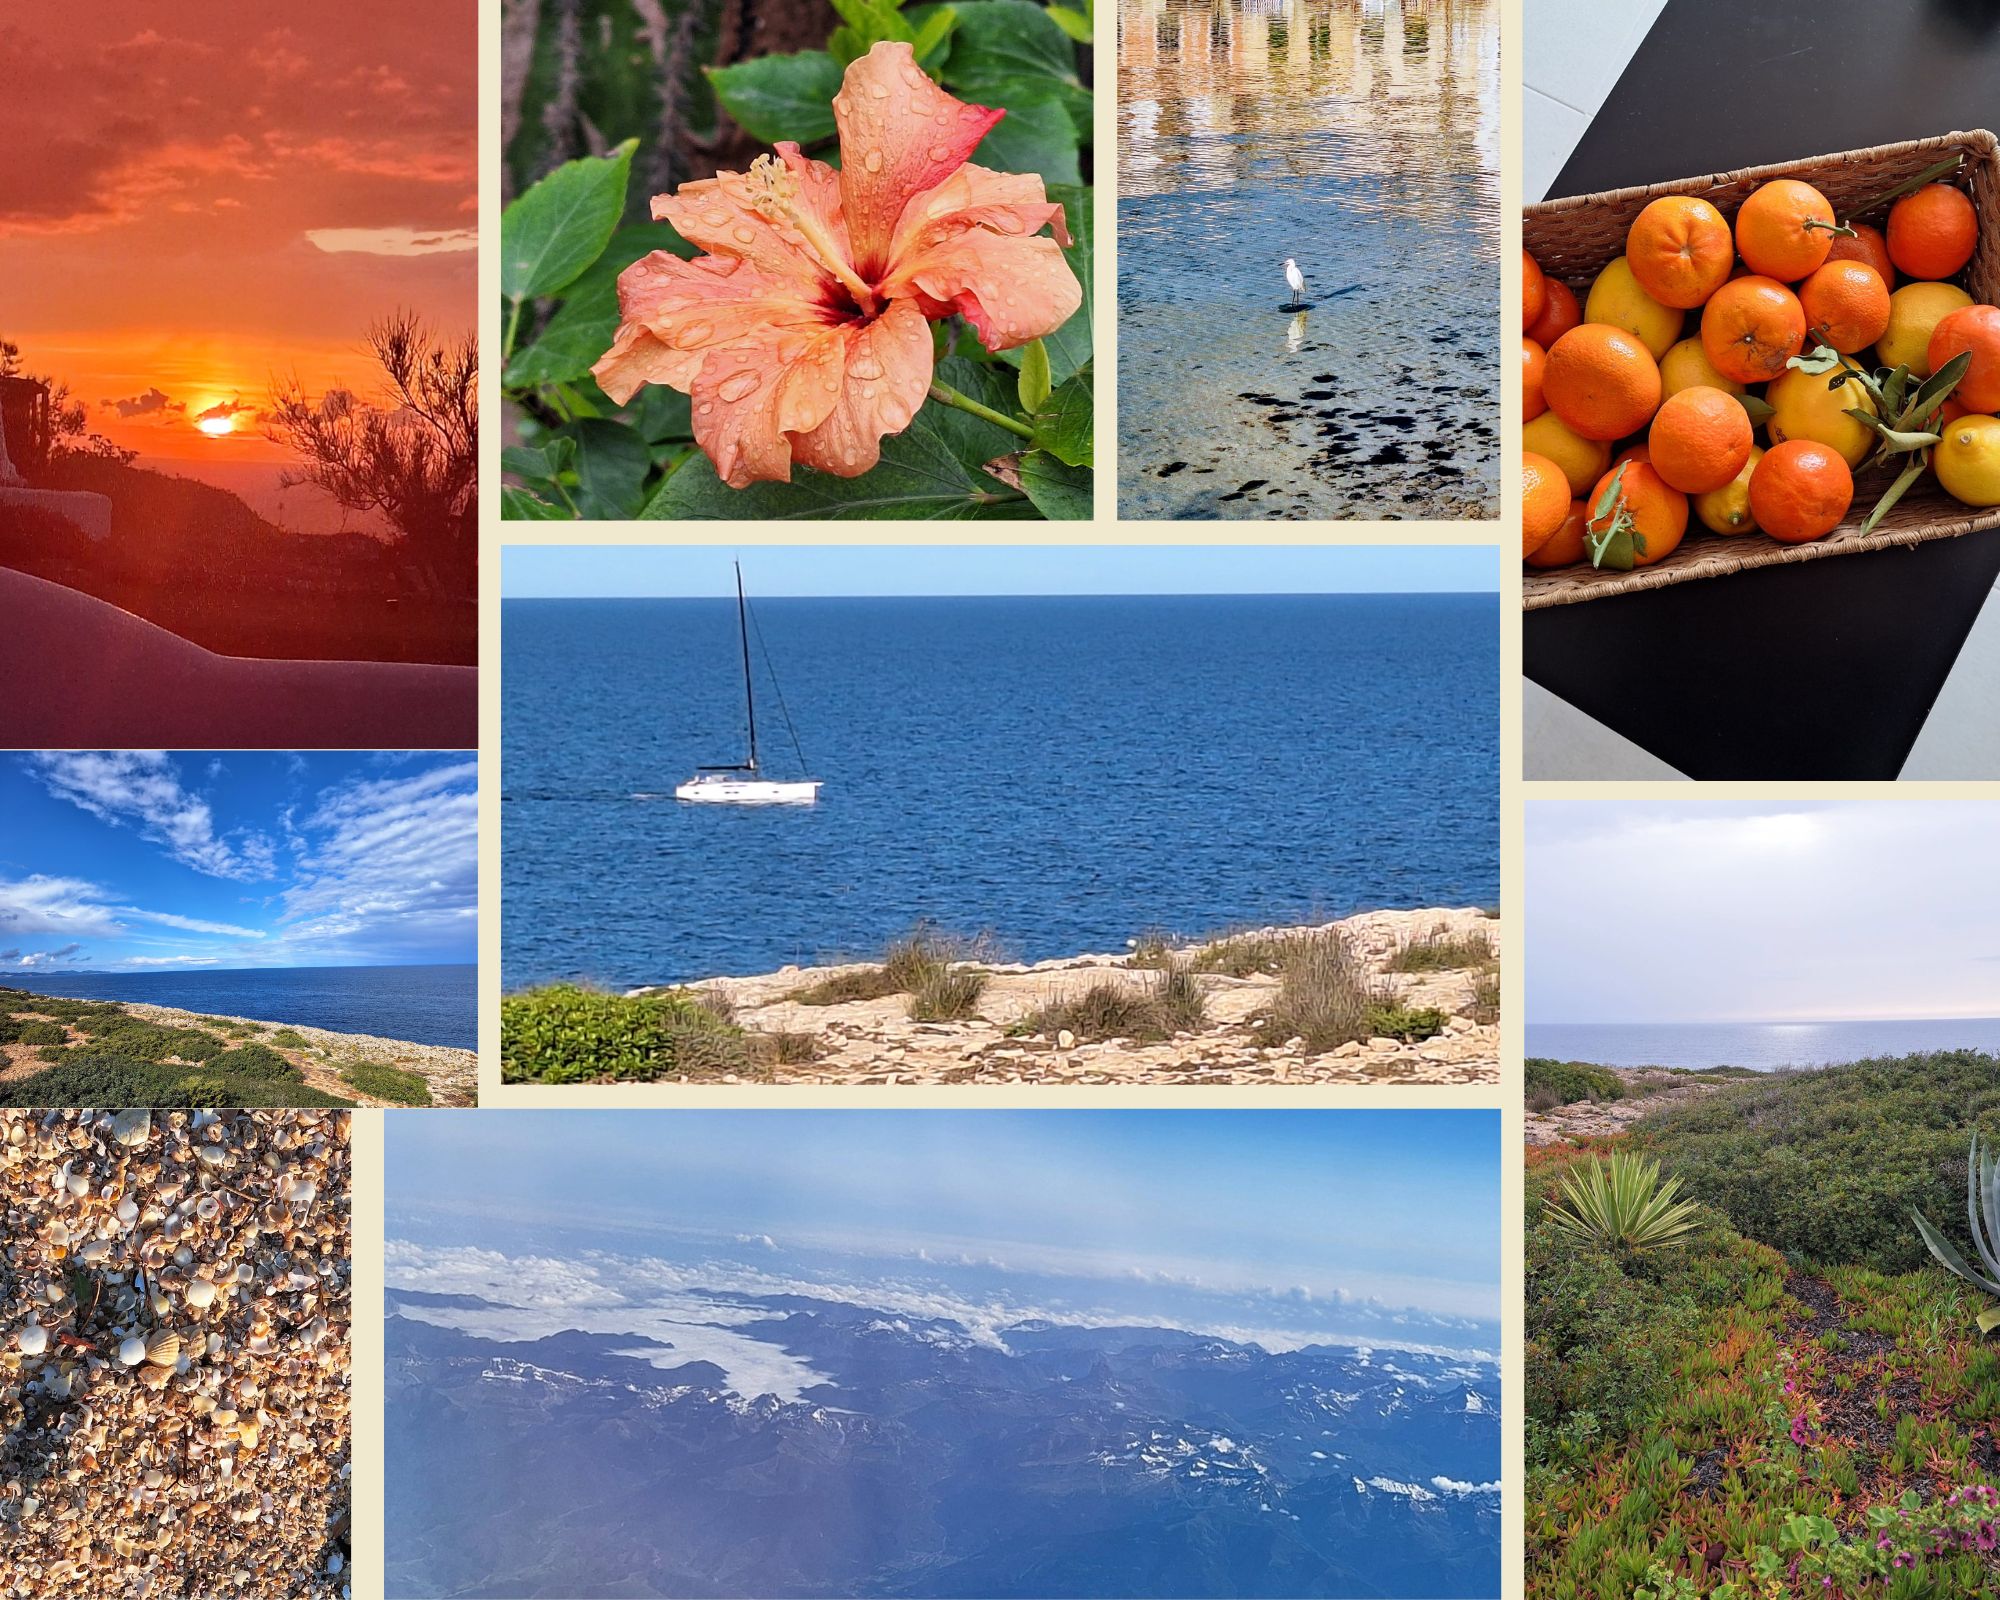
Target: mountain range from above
(911, 1455)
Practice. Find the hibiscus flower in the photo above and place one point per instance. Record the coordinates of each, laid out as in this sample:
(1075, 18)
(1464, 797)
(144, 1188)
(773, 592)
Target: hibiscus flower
(803, 331)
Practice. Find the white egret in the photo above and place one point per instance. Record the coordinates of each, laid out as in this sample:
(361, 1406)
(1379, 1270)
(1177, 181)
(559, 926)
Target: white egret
(1297, 280)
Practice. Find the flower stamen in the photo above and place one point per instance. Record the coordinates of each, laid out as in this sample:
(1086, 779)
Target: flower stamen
(774, 194)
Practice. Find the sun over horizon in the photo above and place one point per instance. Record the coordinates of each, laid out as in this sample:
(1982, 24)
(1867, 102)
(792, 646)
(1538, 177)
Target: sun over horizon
(209, 204)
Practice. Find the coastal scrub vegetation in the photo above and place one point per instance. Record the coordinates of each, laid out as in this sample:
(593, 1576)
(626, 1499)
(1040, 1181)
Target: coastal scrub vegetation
(119, 1059)
(1564, 1083)
(567, 1033)
(936, 970)
(1170, 1002)
(1764, 1407)
(1328, 997)
(381, 1082)
(1440, 950)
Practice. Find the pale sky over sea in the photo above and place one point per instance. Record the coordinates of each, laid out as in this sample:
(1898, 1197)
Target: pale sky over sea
(1761, 911)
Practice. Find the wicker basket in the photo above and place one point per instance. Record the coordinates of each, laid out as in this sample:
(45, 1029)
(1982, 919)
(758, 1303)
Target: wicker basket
(1574, 238)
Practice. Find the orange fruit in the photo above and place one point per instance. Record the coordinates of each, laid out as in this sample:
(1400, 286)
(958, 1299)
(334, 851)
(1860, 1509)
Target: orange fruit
(1534, 291)
(1564, 547)
(1560, 313)
(1659, 512)
(1534, 361)
(1752, 327)
(1602, 381)
(1642, 451)
(1582, 460)
(1700, 440)
(1974, 328)
(1800, 491)
(1846, 305)
(1680, 250)
(1952, 409)
(1867, 245)
(1932, 232)
(1544, 501)
(1782, 229)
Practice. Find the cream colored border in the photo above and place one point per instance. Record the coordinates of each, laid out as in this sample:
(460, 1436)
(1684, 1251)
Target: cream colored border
(1104, 528)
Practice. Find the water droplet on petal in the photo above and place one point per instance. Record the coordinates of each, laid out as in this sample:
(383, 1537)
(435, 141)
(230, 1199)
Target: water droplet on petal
(704, 408)
(694, 335)
(716, 219)
(865, 367)
(734, 389)
(745, 235)
(872, 161)
(940, 152)
(868, 391)
(879, 89)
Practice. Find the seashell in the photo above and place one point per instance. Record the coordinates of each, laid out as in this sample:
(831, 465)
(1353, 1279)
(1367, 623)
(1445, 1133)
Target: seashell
(156, 1377)
(128, 1211)
(94, 1252)
(245, 1273)
(213, 1155)
(131, 1127)
(132, 1351)
(163, 1349)
(200, 1293)
(33, 1338)
(77, 1184)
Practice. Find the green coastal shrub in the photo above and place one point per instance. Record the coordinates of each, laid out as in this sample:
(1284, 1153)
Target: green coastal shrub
(1605, 1329)
(85, 1078)
(1170, 1002)
(125, 1035)
(1570, 1081)
(286, 1039)
(1827, 1165)
(255, 1061)
(41, 1033)
(387, 1083)
(565, 1033)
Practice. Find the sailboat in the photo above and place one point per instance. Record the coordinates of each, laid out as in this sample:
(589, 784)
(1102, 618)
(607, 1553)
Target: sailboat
(743, 783)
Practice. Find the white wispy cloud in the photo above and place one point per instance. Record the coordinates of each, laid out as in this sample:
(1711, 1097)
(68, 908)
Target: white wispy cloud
(143, 789)
(393, 862)
(170, 919)
(39, 904)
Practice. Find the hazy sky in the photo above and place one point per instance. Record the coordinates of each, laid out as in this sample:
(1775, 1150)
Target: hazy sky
(1646, 911)
(198, 198)
(141, 860)
(1315, 1221)
(630, 571)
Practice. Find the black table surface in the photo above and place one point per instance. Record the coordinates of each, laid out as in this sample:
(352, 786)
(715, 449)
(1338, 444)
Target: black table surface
(1826, 669)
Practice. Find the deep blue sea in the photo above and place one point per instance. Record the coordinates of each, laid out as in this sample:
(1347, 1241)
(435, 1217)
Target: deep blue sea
(1763, 1045)
(425, 1005)
(1062, 774)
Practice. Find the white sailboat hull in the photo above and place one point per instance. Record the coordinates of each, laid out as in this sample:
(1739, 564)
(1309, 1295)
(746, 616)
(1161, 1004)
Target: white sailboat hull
(749, 791)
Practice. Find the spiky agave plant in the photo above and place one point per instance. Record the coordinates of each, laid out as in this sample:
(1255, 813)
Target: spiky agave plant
(1982, 1217)
(1621, 1201)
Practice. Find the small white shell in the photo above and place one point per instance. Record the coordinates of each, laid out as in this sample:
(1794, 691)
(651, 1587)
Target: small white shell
(33, 1339)
(131, 1127)
(132, 1351)
(200, 1293)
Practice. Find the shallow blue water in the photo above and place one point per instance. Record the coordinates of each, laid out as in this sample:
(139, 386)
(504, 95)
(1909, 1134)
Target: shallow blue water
(1763, 1045)
(1062, 773)
(424, 1005)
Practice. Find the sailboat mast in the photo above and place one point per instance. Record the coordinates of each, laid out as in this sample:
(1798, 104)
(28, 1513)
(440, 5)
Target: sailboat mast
(749, 699)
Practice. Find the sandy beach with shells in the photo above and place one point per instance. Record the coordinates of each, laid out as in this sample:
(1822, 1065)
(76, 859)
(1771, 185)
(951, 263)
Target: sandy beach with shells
(874, 1041)
(174, 1356)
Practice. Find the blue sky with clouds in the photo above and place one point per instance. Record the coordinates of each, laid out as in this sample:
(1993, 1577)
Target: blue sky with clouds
(670, 571)
(1293, 1226)
(149, 860)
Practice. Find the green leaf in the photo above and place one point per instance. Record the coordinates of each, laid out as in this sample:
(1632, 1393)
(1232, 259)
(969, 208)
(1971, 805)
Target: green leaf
(1761, 410)
(1073, 23)
(781, 97)
(1989, 1320)
(1609, 498)
(561, 225)
(570, 345)
(1010, 53)
(931, 38)
(612, 464)
(1061, 492)
(868, 23)
(934, 469)
(1938, 386)
(1033, 138)
(1822, 360)
(1064, 426)
(1034, 388)
(517, 505)
(543, 463)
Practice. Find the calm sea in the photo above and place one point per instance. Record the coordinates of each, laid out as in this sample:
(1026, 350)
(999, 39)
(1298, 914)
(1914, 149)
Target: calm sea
(424, 1005)
(1763, 1045)
(1062, 773)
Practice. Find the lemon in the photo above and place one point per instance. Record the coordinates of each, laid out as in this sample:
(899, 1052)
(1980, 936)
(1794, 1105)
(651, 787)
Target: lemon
(1582, 460)
(1687, 366)
(1803, 407)
(1616, 298)
(1727, 510)
(1914, 310)
(1968, 460)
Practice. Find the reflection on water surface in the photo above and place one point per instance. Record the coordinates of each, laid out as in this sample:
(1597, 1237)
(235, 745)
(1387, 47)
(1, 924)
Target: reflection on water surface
(1362, 138)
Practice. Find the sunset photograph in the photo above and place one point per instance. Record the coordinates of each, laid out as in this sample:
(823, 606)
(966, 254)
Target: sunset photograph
(238, 369)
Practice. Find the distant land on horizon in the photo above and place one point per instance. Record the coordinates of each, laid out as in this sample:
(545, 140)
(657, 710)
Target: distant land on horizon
(1762, 1045)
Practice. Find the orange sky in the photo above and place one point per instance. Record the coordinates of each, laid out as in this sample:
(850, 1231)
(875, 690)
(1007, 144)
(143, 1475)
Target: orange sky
(199, 195)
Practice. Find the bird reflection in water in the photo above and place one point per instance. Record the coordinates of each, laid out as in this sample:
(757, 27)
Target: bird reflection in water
(1295, 334)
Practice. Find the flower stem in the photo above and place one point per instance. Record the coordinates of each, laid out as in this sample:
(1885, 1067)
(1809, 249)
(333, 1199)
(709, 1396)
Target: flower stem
(972, 408)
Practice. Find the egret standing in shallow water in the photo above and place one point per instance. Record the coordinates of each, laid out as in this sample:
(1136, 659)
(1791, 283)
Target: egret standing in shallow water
(1297, 280)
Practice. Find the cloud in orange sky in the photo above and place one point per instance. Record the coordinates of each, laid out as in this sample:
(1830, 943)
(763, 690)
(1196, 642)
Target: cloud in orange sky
(223, 193)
